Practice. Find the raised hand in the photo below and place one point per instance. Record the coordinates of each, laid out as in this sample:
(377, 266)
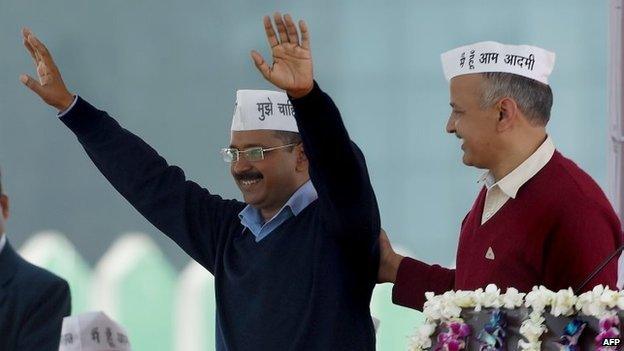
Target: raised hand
(292, 59)
(50, 86)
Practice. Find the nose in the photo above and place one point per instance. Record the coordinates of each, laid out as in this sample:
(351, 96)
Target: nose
(450, 125)
(240, 166)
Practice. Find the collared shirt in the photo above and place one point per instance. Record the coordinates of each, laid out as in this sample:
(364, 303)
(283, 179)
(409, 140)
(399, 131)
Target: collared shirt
(499, 192)
(3, 240)
(251, 218)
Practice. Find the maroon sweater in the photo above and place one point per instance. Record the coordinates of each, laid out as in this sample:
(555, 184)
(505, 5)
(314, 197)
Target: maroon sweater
(556, 231)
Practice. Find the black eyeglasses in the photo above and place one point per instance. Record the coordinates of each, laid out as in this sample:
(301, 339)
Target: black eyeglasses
(252, 154)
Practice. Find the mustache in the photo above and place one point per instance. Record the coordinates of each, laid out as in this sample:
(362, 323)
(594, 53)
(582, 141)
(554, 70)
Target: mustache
(250, 175)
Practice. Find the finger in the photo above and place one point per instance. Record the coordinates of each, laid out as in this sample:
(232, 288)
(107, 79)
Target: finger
(30, 39)
(31, 51)
(26, 32)
(42, 50)
(261, 65)
(45, 74)
(305, 35)
(270, 32)
(45, 57)
(32, 84)
(291, 30)
(281, 28)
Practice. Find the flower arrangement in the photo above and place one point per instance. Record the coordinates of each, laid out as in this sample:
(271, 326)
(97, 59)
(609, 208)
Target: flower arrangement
(601, 303)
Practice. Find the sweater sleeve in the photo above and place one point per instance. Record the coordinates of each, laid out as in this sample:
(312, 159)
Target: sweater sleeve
(337, 168)
(187, 213)
(586, 236)
(415, 278)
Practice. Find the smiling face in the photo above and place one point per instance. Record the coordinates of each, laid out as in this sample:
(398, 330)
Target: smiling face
(474, 125)
(267, 184)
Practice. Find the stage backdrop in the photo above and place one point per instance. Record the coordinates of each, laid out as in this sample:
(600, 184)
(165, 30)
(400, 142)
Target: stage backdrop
(168, 70)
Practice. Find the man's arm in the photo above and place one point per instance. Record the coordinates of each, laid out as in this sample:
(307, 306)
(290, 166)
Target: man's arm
(187, 213)
(41, 330)
(414, 278)
(337, 166)
(411, 278)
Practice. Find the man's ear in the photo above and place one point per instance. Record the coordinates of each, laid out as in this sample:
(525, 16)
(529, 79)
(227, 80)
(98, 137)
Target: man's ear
(302, 159)
(4, 201)
(508, 114)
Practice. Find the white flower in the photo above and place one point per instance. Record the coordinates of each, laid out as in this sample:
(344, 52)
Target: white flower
(583, 301)
(598, 290)
(432, 308)
(491, 297)
(609, 298)
(512, 298)
(533, 327)
(422, 339)
(478, 295)
(563, 303)
(599, 301)
(465, 299)
(538, 299)
(450, 310)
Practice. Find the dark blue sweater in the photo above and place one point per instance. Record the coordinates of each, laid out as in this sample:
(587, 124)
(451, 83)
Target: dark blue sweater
(308, 285)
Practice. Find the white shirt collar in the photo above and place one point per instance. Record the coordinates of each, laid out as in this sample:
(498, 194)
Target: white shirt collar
(3, 240)
(512, 182)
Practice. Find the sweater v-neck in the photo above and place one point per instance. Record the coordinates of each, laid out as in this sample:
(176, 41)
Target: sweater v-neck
(481, 207)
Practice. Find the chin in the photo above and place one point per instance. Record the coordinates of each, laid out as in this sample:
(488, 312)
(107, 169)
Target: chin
(254, 200)
(466, 160)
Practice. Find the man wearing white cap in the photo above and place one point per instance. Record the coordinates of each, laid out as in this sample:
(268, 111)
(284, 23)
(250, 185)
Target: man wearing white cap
(539, 219)
(295, 265)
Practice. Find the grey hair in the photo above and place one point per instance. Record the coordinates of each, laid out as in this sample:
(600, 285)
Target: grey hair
(288, 137)
(534, 98)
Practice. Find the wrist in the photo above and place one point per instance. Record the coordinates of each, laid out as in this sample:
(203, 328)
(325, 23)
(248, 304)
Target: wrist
(299, 93)
(65, 102)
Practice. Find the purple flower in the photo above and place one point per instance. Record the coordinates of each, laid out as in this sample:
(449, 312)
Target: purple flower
(608, 329)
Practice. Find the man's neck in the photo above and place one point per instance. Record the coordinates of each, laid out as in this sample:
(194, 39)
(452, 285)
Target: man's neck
(268, 213)
(517, 153)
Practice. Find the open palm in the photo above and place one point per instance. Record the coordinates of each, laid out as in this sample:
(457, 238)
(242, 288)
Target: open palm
(292, 59)
(49, 86)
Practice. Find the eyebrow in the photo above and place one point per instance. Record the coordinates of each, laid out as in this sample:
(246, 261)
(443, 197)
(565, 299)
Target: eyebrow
(454, 105)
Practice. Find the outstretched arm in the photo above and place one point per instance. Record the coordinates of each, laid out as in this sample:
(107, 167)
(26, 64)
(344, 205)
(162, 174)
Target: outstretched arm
(187, 213)
(337, 166)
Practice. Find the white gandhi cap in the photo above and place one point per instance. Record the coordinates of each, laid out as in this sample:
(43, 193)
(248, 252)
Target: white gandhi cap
(93, 331)
(489, 56)
(263, 109)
